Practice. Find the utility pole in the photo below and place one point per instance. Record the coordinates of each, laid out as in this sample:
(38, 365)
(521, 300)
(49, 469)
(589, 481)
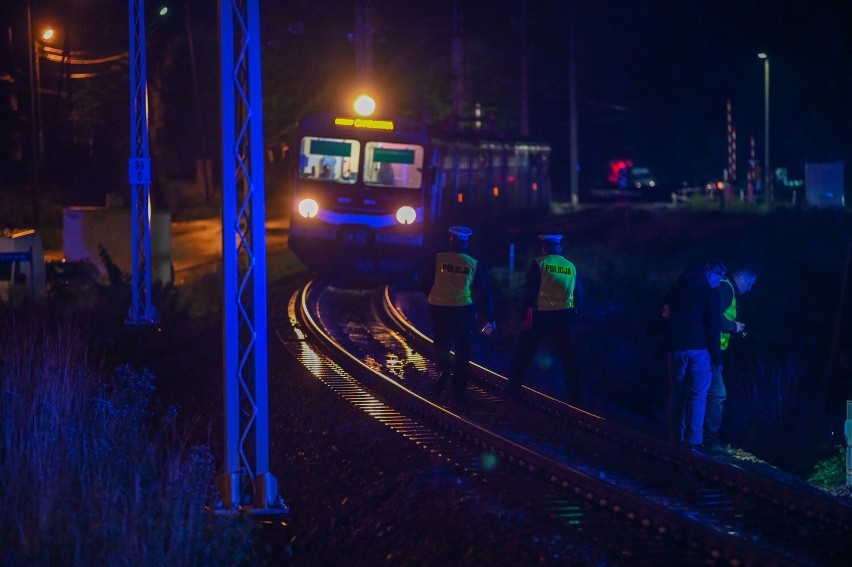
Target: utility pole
(767, 171)
(32, 57)
(202, 131)
(139, 166)
(363, 42)
(572, 105)
(457, 65)
(525, 88)
(246, 389)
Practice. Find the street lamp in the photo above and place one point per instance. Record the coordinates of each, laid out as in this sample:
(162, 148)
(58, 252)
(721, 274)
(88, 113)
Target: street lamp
(32, 59)
(767, 176)
(35, 84)
(46, 35)
(35, 104)
(30, 56)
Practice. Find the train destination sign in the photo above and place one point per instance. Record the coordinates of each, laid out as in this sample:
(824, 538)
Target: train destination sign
(364, 123)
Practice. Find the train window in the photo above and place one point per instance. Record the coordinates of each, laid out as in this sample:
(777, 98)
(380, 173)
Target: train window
(329, 159)
(393, 165)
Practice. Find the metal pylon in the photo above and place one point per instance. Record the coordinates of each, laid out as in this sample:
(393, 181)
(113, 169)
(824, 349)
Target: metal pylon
(142, 311)
(246, 467)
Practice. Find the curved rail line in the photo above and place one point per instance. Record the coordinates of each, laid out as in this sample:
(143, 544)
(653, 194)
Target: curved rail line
(630, 533)
(811, 504)
(730, 517)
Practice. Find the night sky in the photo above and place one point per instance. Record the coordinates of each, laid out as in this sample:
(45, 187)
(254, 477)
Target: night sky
(652, 76)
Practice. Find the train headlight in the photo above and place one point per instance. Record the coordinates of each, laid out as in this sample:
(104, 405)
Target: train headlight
(308, 208)
(364, 105)
(406, 215)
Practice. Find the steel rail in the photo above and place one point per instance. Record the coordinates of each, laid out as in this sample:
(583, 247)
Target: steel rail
(810, 504)
(719, 546)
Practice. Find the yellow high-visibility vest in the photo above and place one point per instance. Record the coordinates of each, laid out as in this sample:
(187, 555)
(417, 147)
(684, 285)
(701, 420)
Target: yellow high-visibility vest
(453, 279)
(730, 313)
(558, 278)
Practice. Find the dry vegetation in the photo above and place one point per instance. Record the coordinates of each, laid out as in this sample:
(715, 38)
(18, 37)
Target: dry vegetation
(93, 471)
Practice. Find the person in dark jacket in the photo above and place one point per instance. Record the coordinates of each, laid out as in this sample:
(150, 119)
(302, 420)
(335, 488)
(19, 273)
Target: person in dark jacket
(550, 309)
(694, 330)
(740, 282)
(452, 281)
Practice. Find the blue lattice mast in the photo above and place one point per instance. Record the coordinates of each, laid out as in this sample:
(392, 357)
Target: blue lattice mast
(141, 311)
(246, 466)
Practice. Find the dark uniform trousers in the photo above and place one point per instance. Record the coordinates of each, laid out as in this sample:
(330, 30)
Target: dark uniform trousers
(453, 326)
(557, 325)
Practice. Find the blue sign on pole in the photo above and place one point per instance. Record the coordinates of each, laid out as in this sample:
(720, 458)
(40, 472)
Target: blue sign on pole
(140, 171)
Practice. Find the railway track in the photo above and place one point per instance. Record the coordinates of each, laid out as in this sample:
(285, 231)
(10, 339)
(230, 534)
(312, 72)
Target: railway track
(632, 495)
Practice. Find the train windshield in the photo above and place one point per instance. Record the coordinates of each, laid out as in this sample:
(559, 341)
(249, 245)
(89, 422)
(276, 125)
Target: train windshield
(393, 165)
(329, 159)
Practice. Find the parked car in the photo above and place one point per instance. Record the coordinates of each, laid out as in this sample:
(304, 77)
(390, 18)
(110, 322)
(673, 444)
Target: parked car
(641, 178)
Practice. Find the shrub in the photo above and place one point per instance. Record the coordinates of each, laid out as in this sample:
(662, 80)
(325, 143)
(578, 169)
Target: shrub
(830, 472)
(92, 471)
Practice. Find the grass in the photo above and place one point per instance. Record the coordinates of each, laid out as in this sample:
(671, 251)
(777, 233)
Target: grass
(92, 470)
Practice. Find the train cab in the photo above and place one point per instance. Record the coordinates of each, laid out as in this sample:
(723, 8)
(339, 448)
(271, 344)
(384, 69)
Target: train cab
(370, 194)
(359, 187)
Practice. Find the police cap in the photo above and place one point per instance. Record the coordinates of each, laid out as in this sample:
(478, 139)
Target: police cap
(461, 232)
(551, 238)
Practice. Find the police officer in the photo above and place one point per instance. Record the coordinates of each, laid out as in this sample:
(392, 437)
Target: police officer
(740, 282)
(452, 282)
(550, 309)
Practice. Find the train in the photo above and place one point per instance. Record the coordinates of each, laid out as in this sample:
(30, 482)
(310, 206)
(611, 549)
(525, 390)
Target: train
(371, 195)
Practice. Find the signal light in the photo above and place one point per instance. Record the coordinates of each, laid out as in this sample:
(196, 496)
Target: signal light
(308, 208)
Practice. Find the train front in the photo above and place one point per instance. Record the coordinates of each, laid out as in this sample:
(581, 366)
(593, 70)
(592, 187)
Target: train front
(359, 194)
